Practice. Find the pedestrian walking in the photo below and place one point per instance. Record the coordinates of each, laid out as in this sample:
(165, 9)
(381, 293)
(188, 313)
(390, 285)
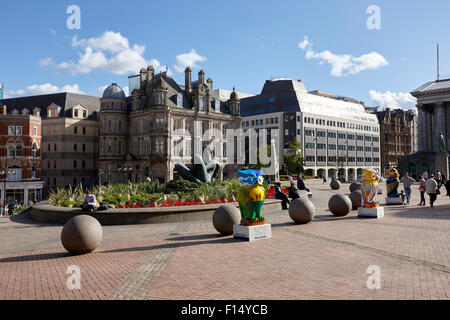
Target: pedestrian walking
(431, 189)
(425, 175)
(447, 187)
(438, 178)
(422, 191)
(407, 183)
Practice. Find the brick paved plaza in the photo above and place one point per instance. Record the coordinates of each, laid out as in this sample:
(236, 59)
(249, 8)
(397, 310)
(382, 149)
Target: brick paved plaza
(326, 259)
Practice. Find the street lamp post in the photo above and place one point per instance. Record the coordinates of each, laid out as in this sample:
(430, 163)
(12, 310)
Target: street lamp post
(100, 172)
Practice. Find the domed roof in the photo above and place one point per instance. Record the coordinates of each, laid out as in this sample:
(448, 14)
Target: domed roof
(114, 92)
(234, 96)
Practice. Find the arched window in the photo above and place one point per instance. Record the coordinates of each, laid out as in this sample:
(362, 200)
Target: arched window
(201, 103)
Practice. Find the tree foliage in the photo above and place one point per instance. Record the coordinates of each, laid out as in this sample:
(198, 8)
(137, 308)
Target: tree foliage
(293, 159)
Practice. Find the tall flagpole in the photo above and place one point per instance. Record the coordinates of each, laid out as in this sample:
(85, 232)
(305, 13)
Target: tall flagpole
(438, 62)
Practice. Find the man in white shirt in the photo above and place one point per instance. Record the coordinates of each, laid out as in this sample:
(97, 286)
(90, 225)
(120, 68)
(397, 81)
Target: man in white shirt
(430, 188)
(90, 203)
(407, 183)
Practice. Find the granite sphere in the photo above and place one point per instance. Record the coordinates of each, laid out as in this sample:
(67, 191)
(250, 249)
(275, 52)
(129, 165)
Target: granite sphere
(302, 211)
(356, 199)
(355, 186)
(225, 217)
(81, 234)
(335, 184)
(340, 205)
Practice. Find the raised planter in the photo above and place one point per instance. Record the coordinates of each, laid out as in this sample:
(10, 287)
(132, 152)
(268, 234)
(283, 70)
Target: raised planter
(45, 212)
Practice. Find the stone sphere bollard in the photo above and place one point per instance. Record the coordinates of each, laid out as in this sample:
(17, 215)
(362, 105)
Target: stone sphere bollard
(225, 217)
(81, 234)
(335, 184)
(302, 211)
(340, 205)
(355, 186)
(356, 199)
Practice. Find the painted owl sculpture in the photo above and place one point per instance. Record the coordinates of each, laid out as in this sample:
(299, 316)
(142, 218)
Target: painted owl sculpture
(251, 196)
(369, 188)
(392, 183)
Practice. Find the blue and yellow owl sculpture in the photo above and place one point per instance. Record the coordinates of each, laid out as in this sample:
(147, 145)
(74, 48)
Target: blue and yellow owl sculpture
(251, 196)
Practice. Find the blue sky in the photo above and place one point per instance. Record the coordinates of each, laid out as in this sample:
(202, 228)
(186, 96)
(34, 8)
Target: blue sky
(236, 43)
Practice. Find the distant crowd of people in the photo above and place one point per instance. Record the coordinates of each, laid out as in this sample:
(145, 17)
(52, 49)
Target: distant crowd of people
(9, 208)
(431, 186)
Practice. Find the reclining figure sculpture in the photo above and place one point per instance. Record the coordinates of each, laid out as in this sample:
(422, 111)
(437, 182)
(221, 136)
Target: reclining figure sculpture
(203, 170)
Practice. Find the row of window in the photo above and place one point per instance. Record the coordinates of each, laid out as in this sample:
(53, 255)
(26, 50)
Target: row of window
(323, 146)
(75, 130)
(75, 147)
(342, 136)
(17, 131)
(16, 150)
(348, 125)
(260, 122)
(342, 160)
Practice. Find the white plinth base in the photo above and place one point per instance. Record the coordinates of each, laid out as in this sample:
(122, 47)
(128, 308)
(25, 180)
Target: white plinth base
(394, 201)
(252, 233)
(371, 212)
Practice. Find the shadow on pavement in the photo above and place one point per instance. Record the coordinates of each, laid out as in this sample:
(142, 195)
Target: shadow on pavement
(214, 239)
(425, 212)
(37, 257)
(25, 218)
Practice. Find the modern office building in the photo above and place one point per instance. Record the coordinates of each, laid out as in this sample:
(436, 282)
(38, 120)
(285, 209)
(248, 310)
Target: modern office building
(146, 134)
(69, 136)
(20, 156)
(338, 137)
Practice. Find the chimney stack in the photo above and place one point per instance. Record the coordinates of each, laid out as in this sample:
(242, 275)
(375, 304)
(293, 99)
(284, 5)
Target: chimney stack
(209, 82)
(187, 80)
(201, 77)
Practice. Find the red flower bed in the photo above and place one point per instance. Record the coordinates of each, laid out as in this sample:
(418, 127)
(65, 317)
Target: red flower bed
(174, 203)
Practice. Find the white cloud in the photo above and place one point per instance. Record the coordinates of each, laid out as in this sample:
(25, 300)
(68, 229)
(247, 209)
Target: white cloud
(53, 32)
(393, 100)
(38, 89)
(111, 52)
(305, 43)
(190, 59)
(344, 64)
(45, 62)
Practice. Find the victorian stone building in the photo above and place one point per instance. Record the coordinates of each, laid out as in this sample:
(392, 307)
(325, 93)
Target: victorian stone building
(398, 136)
(160, 124)
(69, 147)
(433, 105)
(20, 156)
